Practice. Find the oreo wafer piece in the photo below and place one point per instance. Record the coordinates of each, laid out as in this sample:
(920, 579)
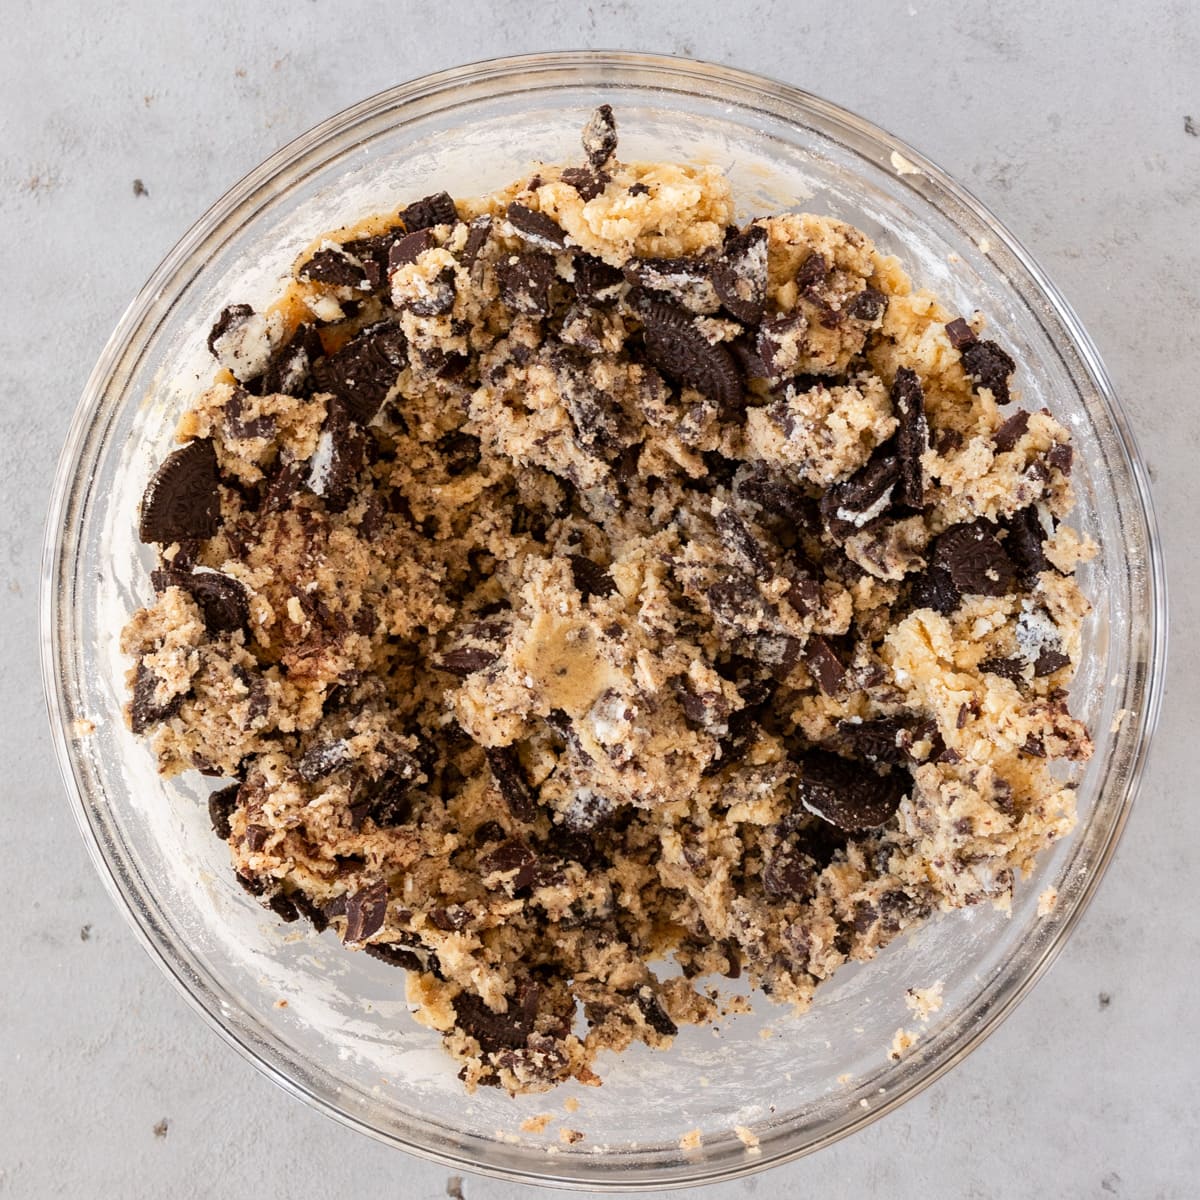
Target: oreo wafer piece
(429, 211)
(600, 137)
(182, 499)
(852, 796)
(912, 437)
(989, 366)
(536, 228)
(365, 369)
(740, 275)
(681, 351)
(221, 599)
(366, 911)
(510, 779)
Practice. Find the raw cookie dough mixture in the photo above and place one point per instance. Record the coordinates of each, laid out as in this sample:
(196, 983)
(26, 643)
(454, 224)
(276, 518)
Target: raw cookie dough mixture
(569, 578)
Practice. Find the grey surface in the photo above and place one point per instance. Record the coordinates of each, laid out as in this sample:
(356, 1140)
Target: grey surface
(1068, 119)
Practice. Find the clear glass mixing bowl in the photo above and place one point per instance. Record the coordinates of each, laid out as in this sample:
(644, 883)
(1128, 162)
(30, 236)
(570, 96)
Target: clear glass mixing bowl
(344, 1042)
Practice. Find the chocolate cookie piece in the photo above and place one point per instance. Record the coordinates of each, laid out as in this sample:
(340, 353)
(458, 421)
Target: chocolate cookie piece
(221, 806)
(498, 1031)
(912, 437)
(589, 184)
(1024, 544)
(322, 759)
(430, 211)
(333, 266)
(651, 1008)
(686, 282)
(222, 600)
(182, 499)
(478, 232)
(789, 874)
(739, 275)
(974, 559)
(746, 549)
(824, 664)
(851, 796)
(600, 137)
(290, 370)
(525, 282)
(365, 369)
(590, 578)
(230, 318)
(341, 454)
(989, 366)
(439, 297)
(409, 248)
(595, 280)
(868, 305)
(513, 859)
(863, 498)
(536, 228)
(675, 345)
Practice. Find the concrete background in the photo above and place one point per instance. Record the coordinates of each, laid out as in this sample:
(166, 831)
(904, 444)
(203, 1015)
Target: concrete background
(1069, 119)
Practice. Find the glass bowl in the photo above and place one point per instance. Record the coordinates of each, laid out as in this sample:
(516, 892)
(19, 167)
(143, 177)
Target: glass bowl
(344, 1040)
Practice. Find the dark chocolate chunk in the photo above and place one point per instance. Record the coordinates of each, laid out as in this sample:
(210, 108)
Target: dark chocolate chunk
(1011, 432)
(143, 712)
(600, 137)
(365, 369)
(221, 806)
(740, 275)
(222, 600)
(429, 211)
(1049, 661)
(863, 498)
(595, 279)
(989, 366)
(513, 858)
(824, 664)
(912, 437)
(638, 189)
(366, 911)
(231, 317)
(510, 779)
(960, 333)
(489, 831)
(407, 249)
(283, 907)
(536, 228)
(1034, 747)
(677, 347)
(322, 759)
(256, 837)
(334, 267)
(589, 184)
(1061, 456)
(851, 796)
(975, 560)
(590, 578)
(789, 874)
(1024, 544)
(182, 499)
(387, 801)
(742, 543)
(813, 271)
(478, 232)
(466, 660)
(525, 282)
(495, 1031)
(250, 883)
(869, 305)
(651, 1008)
(1007, 668)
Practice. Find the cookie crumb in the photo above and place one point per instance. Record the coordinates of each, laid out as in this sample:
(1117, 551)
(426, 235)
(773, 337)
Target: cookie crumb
(903, 166)
(902, 1043)
(569, 1137)
(139, 188)
(160, 1128)
(1190, 125)
(845, 1078)
(454, 1188)
(923, 1001)
(690, 1140)
(536, 1124)
(747, 1137)
(1105, 1000)
(1047, 901)
(571, 1104)
(85, 933)
(281, 1004)
(1118, 720)
(83, 727)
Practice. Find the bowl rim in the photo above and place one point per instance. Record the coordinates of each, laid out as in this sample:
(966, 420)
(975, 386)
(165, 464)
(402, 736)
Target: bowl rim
(66, 493)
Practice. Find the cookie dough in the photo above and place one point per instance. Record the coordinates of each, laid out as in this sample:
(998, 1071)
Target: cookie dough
(570, 580)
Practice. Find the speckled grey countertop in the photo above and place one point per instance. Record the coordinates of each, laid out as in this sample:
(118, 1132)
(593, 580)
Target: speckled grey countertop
(1071, 120)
